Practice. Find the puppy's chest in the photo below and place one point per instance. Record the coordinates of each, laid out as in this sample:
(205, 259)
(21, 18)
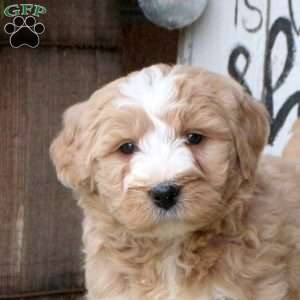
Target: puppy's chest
(170, 284)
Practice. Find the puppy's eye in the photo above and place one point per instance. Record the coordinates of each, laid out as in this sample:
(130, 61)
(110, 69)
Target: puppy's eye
(128, 148)
(194, 138)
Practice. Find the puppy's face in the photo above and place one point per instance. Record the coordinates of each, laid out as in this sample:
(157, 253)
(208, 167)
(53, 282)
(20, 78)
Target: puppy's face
(163, 149)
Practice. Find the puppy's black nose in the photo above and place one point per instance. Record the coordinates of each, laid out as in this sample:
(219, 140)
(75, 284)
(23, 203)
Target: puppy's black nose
(165, 195)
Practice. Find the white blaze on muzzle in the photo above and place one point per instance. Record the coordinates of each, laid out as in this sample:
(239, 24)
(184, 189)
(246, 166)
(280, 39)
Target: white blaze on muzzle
(161, 157)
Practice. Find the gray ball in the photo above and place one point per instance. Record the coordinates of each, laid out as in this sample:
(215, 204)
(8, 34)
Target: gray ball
(172, 14)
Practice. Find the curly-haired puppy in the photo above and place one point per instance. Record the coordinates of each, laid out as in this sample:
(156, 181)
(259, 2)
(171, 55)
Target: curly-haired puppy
(178, 202)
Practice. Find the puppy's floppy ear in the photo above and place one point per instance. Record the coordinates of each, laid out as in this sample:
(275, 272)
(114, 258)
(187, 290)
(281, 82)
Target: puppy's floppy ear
(66, 151)
(71, 149)
(251, 132)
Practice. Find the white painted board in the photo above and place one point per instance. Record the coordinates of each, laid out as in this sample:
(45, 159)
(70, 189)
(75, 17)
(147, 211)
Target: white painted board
(258, 43)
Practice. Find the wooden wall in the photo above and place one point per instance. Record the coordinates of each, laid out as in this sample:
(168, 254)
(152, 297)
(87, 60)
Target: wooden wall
(86, 44)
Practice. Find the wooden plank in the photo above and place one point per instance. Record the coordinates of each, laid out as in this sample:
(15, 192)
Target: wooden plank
(43, 295)
(40, 232)
(258, 44)
(75, 23)
(144, 43)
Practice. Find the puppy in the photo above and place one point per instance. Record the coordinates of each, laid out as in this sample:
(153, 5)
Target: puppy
(178, 202)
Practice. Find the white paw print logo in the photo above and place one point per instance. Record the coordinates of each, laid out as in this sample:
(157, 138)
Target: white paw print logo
(24, 32)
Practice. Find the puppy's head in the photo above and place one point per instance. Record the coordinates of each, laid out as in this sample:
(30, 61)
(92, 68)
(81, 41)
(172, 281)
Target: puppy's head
(162, 149)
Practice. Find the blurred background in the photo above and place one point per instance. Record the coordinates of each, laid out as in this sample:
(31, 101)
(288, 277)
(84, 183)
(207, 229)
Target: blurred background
(85, 45)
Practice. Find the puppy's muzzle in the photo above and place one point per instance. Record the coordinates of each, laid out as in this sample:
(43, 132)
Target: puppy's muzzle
(165, 195)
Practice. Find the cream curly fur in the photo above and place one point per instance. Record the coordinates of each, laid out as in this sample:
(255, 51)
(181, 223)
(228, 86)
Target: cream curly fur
(235, 233)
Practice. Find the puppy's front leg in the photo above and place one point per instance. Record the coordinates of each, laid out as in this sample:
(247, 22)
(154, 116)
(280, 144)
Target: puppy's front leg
(112, 297)
(103, 282)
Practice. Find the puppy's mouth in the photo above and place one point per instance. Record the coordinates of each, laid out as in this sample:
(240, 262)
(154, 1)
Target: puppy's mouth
(182, 204)
(172, 214)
